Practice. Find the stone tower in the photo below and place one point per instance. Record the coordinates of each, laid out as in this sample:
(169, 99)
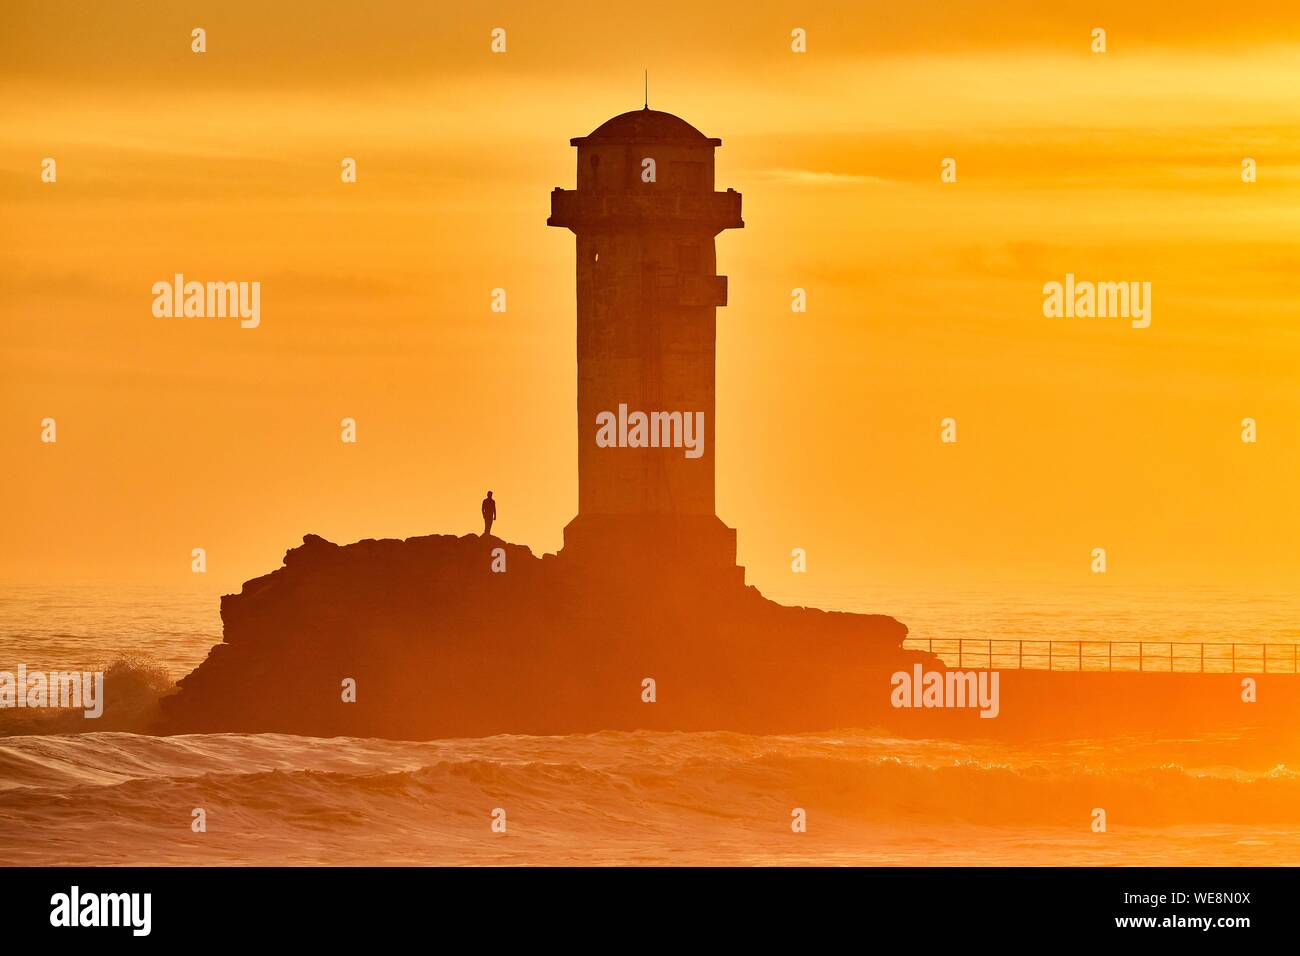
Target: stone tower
(645, 215)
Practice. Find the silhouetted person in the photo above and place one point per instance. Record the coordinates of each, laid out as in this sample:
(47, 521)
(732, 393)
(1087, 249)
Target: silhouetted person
(489, 513)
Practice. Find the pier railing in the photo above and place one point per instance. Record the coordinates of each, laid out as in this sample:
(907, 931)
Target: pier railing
(1155, 656)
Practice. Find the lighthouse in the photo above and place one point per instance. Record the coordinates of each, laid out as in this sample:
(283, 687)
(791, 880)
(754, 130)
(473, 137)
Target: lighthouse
(645, 215)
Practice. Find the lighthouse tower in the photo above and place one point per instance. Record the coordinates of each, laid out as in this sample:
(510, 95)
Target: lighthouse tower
(645, 215)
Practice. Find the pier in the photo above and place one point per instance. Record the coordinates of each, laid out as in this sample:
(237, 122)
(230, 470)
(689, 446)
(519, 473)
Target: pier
(1155, 656)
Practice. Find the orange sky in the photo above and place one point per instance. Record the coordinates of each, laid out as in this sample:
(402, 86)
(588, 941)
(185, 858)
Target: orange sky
(924, 299)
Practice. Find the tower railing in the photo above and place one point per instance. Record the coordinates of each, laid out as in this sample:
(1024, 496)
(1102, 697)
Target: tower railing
(719, 209)
(1166, 657)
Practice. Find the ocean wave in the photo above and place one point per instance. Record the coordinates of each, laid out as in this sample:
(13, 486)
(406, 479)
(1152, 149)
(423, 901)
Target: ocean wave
(133, 687)
(654, 779)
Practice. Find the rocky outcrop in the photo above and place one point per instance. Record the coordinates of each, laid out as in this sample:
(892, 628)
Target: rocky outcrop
(441, 644)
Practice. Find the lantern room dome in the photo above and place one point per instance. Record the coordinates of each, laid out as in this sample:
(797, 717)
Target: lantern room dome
(647, 126)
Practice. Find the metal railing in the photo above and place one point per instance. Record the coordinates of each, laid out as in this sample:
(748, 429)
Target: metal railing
(1155, 656)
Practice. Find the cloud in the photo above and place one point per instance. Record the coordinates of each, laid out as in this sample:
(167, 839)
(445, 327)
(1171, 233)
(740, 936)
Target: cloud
(809, 177)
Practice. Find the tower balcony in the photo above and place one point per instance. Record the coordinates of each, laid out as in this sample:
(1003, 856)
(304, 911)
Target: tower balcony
(712, 211)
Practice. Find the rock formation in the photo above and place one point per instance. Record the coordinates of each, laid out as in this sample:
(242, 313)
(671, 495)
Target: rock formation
(440, 644)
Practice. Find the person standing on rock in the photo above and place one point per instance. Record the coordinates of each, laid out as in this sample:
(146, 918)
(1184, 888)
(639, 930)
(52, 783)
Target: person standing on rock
(489, 514)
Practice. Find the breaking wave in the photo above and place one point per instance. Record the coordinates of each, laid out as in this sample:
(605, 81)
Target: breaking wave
(702, 798)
